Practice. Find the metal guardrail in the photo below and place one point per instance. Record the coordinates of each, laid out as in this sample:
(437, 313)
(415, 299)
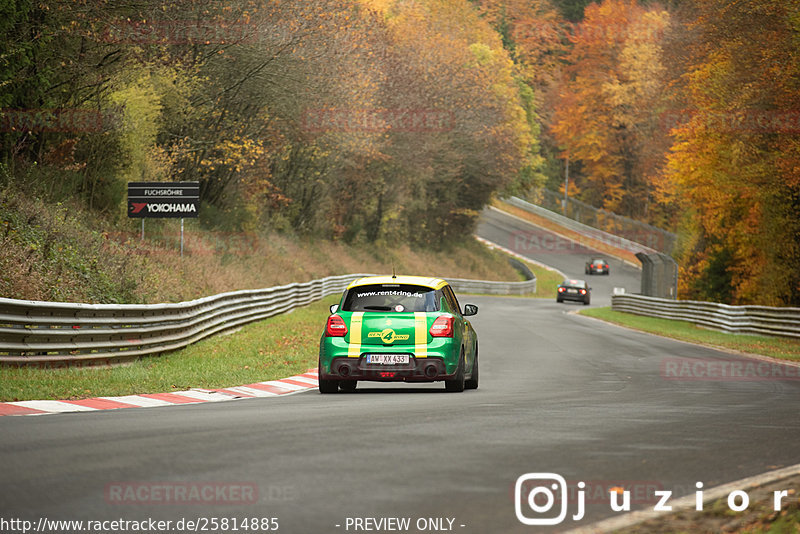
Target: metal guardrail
(583, 229)
(763, 320)
(56, 334)
(493, 288)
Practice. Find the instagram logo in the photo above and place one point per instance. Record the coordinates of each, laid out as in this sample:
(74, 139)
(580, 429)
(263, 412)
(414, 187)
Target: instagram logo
(538, 493)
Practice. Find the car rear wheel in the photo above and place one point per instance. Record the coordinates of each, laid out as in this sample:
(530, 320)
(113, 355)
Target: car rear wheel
(348, 385)
(328, 386)
(456, 384)
(586, 302)
(472, 382)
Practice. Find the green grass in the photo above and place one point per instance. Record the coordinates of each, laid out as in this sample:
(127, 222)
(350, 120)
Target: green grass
(546, 281)
(774, 523)
(275, 348)
(776, 347)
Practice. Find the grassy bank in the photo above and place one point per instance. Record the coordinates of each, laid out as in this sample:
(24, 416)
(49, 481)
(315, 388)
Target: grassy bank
(775, 347)
(62, 252)
(760, 516)
(546, 281)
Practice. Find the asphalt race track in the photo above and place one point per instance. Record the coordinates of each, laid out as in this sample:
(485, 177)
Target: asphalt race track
(559, 393)
(565, 255)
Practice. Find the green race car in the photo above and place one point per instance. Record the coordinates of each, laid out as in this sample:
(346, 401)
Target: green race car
(398, 328)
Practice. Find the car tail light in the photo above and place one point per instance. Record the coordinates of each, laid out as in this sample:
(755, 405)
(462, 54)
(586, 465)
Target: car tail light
(335, 327)
(583, 291)
(560, 289)
(442, 326)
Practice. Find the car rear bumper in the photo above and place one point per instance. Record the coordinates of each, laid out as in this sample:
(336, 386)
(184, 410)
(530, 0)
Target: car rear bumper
(417, 370)
(576, 297)
(440, 362)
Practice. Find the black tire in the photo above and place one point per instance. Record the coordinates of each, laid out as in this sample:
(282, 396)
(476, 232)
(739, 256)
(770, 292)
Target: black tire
(348, 386)
(559, 301)
(472, 381)
(456, 384)
(586, 302)
(328, 386)
(325, 385)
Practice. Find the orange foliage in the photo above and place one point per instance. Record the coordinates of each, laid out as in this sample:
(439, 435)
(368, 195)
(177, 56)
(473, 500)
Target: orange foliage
(605, 117)
(734, 165)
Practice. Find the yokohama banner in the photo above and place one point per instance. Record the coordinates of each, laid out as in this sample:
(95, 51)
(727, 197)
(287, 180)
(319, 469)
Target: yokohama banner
(176, 200)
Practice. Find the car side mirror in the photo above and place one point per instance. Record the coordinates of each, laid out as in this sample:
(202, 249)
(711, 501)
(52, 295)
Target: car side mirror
(470, 309)
(334, 307)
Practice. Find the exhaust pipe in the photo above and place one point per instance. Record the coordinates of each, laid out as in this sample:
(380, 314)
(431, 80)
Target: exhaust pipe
(344, 370)
(431, 371)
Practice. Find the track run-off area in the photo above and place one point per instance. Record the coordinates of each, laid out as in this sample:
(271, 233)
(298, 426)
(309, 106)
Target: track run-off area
(559, 393)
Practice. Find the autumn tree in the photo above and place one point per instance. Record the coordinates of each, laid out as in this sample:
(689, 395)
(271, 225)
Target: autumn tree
(608, 109)
(448, 64)
(735, 165)
(381, 121)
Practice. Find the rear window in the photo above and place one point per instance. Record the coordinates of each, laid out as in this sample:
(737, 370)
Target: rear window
(391, 298)
(574, 283)
(599, 262)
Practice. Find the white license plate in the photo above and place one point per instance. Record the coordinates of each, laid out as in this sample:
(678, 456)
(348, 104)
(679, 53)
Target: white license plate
(387, 359)
(572, 290)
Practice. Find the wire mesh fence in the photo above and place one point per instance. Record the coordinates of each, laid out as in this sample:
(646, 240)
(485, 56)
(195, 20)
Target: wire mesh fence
(631, 229)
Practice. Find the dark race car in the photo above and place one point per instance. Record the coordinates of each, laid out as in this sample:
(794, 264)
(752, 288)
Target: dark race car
(577, 290)
(597, 266)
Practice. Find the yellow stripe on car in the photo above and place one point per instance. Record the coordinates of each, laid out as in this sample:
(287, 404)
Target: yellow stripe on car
(420, 334)
(354, 347)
